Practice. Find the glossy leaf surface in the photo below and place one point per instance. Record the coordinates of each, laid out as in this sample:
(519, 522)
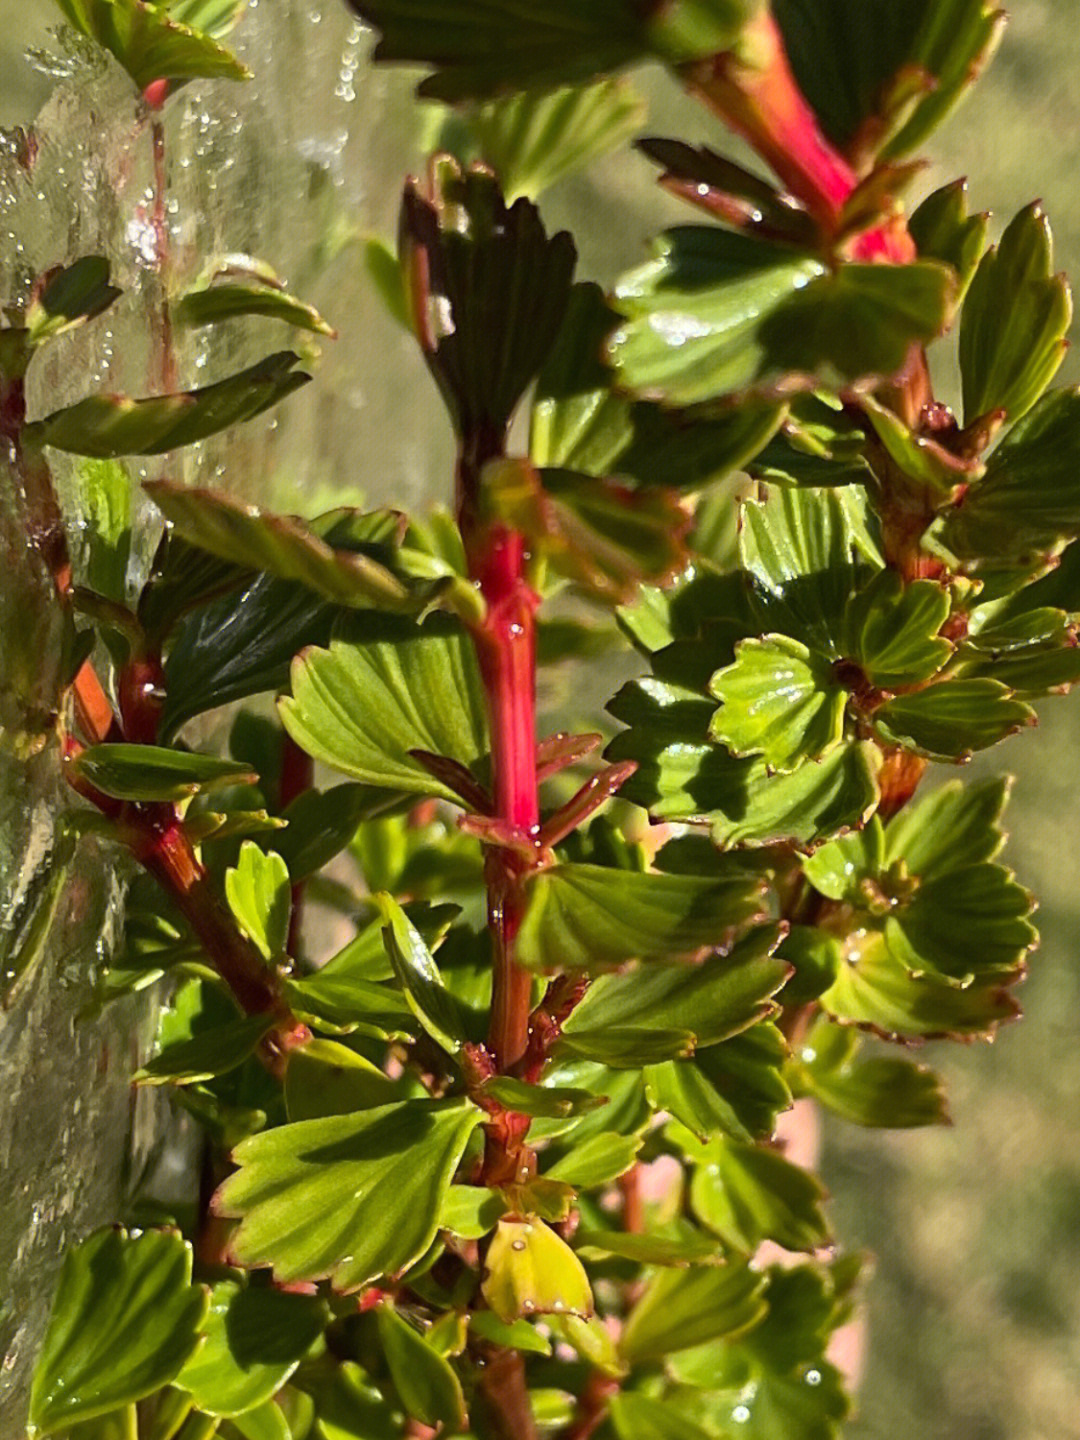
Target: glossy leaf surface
(161, 42)
(531, 1271)
(152, 772)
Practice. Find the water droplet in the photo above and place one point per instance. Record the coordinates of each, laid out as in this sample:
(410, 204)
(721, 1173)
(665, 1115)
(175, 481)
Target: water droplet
(813, 1377)
(518, 1245)
(741, 1414)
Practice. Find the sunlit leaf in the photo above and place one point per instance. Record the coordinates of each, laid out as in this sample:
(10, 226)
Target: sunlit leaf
(883, 1091)
(952, 719)
(226, 301)
(531, 1271)
(778, 700)
(161, 42)
(682, 1308)
(419, 977)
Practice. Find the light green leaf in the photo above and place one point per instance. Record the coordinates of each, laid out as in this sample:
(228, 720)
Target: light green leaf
(682, 1308)
(749, 1193)
(972, 922)
(258, 892)
(351, 1197)
(691, 1248)
(104, 505)
(519, 1335)
(1010, 353)
(636, 1417)
(595, 1161)
(426, 1383)
(254, 1339)
(159, 42)
(891, 630)
(326, 1078)
(533, 139)
(531, 1271)
(778, 700)
(882, 1092)
(719, 312)
(386, 688)
(954, 826)
(125, 1317)
(225, 301)
(206, 1054)
(548, 1101)
(152, 772)
(419, 977)
(264, 1422)
(943, 230)
(592, 917)
(471, 1211)
(952, 719)
(107, 426)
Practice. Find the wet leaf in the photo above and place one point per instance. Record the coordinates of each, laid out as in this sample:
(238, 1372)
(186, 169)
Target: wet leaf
(883, 1092)
(750, 1193)
(125, 1317)
(778, 700)
(531, 1271)
(350, 1197)
(226, 301)
(637, 1417)
(155, 42)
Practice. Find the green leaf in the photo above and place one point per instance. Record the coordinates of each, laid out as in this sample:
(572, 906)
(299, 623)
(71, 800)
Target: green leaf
(718, 312)
(206, 1054)
(531, 140)
(258, 893)
(682, 1308)
(386, 688)
(891, 630)
(320, 824)
(471, 1211)
(876, 990)
(107, 426)
(489, 291)
(350, 1408)
(943, 230)
(595, 1161)
(969, 923)
(549, 1101)
(920, 460)
(591, 917)
(326, 1078)
(883, 1092)
(492, 47)
(419, 977)
(952, 719)
(68, 296)
(689, 1248)
(104, 505)
(749, 1193)
(254, 1340)
(1010, 353)
(426, 1384)
(719, 997)
(953, 827)
(531, 1271)
(636, 1417)
(815, 955)
(125, 1317)
(1034, 651)
(1030, 498)
(283, 546)
(225, 301)
(778, 700)
(342, 1003)
(745, 1071)
(151, 772)
(155, 42)
(350, 1197)
(486, 1325)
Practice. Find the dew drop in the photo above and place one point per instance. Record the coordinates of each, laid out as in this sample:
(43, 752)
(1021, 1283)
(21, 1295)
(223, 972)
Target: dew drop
(518, 1245)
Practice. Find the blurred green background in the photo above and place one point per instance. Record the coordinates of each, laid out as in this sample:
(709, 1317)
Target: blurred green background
(975, 1305)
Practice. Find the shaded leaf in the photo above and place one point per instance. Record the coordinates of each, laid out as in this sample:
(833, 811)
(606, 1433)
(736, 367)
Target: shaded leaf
(106, 426)
(637, 1417)
(326, 1078)
(125, 1317)
(951, 719)
(955, 826)
(418, 976)
(67, 297)
(384, 689)
(969, 923)
(883, 1092)
(225, 301)
(943, 230)
(688, 1249)
(207, 1054)
(351, 1197)
(750, 1193)
(1010, 353)
(589, 916)
(425, 1382)
(682, 1308)
(152, 772)
(551, 1101)
(531, 1271)
(471, 1211)
(254, 1339)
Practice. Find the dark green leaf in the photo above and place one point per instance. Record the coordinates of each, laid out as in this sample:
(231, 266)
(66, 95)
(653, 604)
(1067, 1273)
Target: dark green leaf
(206, 1054)
(1030, 498)
(151, 772)
(419, 977)
(815, 955)
(321, 823)
(106, 426)
(125, 1318)
(590, 917)
(972, 922)
(155, 42)
(745, 1071)
(1010, 353)
(778, 700)
(532, 1271)
(254, 1340)
(351, 1197)
(249, 297)
(489, 291)
(384, 689)
(531, 140)
(718, 313)
(687, 1307)
(426, 1383)
(952, 719)
(350, 1408)
(67, 297)
(326, 1078)
(636, 1417)
(550, 1101)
